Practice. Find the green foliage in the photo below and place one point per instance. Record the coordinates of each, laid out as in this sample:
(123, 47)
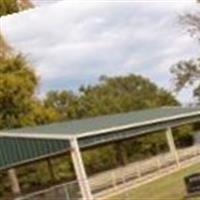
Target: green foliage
(111, 95)
(65, 103)
(17, 85)
(63, 168)
(13, 6)
(187, 72)
(183, 136)
(42, 115)
(122, 94)
(146, 146)
(5, 187)
(99, 160)
(18, 105)
(8, 7)
(35, 176)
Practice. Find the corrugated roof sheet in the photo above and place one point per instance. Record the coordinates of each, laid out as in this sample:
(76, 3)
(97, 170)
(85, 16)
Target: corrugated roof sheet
(17, 151)
(107, 121)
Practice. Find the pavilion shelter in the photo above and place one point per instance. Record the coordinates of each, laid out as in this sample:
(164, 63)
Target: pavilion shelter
(25, 145)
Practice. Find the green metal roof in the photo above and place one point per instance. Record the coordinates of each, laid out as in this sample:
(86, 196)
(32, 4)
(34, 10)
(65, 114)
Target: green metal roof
(95, 124)
(17, 146)
(18, 151)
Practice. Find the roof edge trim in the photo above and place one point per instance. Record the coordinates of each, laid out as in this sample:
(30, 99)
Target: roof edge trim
(38, 136)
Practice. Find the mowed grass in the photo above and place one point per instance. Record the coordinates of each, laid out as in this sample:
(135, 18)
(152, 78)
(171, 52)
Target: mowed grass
(170, 187)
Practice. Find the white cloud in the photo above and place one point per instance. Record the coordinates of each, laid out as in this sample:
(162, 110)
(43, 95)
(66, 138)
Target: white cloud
(74, 42)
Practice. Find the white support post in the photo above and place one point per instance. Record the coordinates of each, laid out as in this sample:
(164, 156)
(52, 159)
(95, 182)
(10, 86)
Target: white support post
(80, 170)
(14, 182)
(172, 145)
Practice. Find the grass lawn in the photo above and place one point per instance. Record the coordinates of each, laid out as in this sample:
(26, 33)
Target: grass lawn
(168, 188)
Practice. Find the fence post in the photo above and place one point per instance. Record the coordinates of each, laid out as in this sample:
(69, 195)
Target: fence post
(158, 163)
(138, 170)
(114, 180)
(66, 191)
(123, 175)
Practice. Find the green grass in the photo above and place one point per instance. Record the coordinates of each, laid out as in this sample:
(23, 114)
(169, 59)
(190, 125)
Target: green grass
(167, 188)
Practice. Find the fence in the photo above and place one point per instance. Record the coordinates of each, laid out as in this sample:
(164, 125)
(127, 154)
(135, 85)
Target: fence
(67, 191)
(116, 179)
(138, 173)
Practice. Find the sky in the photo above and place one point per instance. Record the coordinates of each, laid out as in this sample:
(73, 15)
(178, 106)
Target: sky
(72, 43)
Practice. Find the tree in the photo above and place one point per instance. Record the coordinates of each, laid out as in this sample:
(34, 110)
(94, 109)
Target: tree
(41, 114)
(8, 7)
(18, 104)
(18, 82)
(13, 6)
(17, 85)
(65, 103)
(122, 94)
(187, 72)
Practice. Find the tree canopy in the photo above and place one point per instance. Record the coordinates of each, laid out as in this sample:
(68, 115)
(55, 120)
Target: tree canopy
(8, 7)
(18, 84)
(187, 72)
(110, 95)
(13, 6)
(122, 94)
(65, 103)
